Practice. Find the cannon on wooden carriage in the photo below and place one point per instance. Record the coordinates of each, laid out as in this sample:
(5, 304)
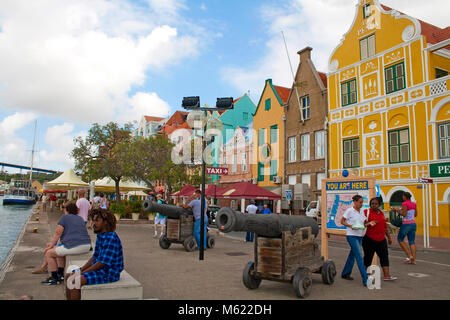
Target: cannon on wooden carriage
(179, 226)
(285, 249)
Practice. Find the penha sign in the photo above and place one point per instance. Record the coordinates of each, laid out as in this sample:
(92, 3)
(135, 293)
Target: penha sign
(438, 170)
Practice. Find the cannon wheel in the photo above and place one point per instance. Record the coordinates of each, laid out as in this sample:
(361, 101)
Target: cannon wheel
(163, 242)
(302, 283)
(328, 272)
(249, 280)
(210, 241)
(189, 244)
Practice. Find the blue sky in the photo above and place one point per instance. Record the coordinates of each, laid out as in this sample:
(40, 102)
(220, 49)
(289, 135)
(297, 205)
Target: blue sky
(69, 63)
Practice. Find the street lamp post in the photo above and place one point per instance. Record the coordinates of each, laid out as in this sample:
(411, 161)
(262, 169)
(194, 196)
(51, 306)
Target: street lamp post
(193, 103)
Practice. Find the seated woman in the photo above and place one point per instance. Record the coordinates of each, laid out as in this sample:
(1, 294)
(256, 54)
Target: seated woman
(74, 239)
(106, 263)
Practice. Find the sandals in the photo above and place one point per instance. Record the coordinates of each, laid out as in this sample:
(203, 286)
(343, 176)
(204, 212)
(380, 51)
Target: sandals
(409, 261)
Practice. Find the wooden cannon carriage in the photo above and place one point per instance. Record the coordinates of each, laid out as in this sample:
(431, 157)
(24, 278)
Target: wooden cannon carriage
(179, 226)
(285, 251)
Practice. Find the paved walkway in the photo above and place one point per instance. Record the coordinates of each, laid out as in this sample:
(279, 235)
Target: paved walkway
(177, 274)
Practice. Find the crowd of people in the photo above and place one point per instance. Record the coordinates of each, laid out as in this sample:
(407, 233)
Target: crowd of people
(72, 237)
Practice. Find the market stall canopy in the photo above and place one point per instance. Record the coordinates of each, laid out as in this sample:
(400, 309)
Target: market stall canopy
(137, 193)
(66, 181)
(186, 191)
(212, 190)
(247, 190)
(108, 185)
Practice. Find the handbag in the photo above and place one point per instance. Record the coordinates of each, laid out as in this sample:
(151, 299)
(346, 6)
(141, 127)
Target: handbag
(395, 218)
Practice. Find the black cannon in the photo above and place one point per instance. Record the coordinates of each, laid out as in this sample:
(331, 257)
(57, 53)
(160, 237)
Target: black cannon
(285, 249)
(179, 226)
(266, 225)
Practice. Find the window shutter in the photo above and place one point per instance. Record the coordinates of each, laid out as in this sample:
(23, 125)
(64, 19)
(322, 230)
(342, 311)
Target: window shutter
(394, 154)
(347, 160)
(404, 153)
(363, 48)
(371, 46)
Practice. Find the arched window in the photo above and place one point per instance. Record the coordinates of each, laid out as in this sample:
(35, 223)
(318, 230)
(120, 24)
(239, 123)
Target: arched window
(396, 199)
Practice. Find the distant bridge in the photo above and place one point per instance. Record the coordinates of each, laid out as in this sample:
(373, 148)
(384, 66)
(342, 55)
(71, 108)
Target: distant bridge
(17, 166)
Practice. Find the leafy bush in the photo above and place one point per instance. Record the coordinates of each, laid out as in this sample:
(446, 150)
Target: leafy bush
(118, 208)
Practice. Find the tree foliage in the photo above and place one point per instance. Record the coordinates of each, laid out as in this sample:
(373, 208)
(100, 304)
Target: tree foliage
(104, 152)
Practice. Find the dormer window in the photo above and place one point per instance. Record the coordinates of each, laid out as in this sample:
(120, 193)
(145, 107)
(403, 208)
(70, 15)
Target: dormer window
(367, 11)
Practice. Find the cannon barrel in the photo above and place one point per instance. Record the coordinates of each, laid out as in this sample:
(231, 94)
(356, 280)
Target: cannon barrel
(266, 225)
(165, 209)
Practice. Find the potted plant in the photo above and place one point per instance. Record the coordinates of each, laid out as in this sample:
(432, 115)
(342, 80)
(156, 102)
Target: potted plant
(116, 209)
(135, 208)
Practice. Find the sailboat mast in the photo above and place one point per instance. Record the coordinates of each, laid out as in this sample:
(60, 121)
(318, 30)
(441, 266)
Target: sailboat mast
(32, 152)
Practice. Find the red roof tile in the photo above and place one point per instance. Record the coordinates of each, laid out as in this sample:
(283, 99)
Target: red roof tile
(323, 77)
(283, 93)
(432, 33)
(150, 118)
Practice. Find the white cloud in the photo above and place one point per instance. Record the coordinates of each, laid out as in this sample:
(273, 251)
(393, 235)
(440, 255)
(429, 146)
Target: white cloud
(13, 149)
(80, 59)
(319, 24)
(145, 104)
(59, 139)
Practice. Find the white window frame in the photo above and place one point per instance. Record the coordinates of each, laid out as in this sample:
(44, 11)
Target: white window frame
(234, 164)
(319, 177)
(319, 144)
(306, 178)
(244, 162)
(292, 145)
(304, 107)
(305, 144)
(292, 179)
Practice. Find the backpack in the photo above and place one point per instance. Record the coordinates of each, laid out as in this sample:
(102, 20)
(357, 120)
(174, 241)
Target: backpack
(395, 218)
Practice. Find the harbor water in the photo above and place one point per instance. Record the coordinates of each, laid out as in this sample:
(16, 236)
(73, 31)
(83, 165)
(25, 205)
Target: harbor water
(12, 221)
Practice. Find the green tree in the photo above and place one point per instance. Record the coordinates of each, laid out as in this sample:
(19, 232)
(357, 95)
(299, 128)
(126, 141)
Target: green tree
(152, 162)
(104, 152)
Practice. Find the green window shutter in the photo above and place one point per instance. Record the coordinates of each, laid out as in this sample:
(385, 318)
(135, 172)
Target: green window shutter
(444, 140)
(261, 139)
(349, 93)
(245, 116)
(399, 146)
(260, 171)
(268, 104)
(273, 169)
(395, 77)
(273, 134)
(351, 153)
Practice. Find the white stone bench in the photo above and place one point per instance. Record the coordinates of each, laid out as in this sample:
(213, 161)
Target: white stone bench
(127, 288)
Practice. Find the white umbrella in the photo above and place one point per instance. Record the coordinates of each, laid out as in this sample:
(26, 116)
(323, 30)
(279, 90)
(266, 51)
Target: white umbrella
(66, 181)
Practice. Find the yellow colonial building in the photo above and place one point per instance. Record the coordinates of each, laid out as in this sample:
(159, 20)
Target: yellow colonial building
(389, 110)
(268, 137)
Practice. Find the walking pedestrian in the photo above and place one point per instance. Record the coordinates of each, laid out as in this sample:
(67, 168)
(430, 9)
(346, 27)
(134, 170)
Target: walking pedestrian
(103, 201)
(355, 221)
(251, 209)
(160, 220)
(374, 240)
(83, 205)
(408, 228)
(44, 202)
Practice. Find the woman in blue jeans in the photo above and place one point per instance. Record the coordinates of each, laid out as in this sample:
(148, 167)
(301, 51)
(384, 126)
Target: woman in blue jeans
(355, 221)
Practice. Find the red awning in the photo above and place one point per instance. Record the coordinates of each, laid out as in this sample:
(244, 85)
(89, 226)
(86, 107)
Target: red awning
(247, 190)
(212, 190)
(186, 191)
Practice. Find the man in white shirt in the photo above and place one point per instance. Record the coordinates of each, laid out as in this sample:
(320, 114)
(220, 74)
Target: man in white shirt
(83, 205)
(251, 209)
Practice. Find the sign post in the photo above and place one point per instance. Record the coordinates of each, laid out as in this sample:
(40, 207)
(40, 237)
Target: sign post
(426, 211)
(337, 196)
